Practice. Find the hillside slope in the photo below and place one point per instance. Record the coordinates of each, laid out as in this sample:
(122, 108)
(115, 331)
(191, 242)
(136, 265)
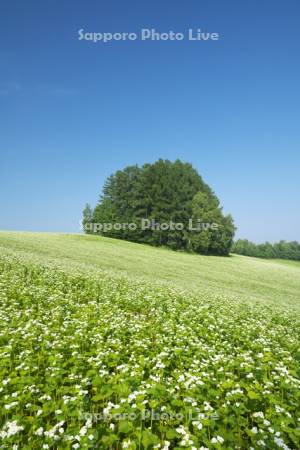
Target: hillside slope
(235, 276)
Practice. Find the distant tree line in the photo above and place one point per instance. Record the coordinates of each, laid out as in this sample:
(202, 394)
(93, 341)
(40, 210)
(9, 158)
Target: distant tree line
(161, 193)
(280, 250)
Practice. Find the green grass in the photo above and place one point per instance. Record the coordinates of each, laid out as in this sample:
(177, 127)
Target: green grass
(111, 345)
(236, 276)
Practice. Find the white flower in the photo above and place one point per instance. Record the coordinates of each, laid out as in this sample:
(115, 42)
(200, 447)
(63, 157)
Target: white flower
(83, 431)
(181, 430)
(281, 444)
(39, 431)
(217, 440)
(259, 414)
(198, 425)
(10, 405)
(10, 429)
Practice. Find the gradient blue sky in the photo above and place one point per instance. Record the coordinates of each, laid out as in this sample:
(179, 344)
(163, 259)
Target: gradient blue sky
(73, 112)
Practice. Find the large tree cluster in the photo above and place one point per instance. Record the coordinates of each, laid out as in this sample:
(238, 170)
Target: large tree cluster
(164, 192)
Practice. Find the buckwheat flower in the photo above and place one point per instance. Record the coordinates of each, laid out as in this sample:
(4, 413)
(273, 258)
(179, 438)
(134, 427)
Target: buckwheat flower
(6, 381)
(197, 425)
(207, 406)
(279, 409)
(45, 446)
(10, 405)
(39, 412)
(10, 429)
(76, 445)
(217, 440)
(39, 431)
(181, 430)
(90, 437)
(166, 445)
(281, 444)
(83, 431)
(254, 430)
(259, 414)
(126, 444)
(112, 426)
(58, 411)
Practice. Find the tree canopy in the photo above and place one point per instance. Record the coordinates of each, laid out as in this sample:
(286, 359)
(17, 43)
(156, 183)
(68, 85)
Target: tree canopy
(164, 192)
(280, 250)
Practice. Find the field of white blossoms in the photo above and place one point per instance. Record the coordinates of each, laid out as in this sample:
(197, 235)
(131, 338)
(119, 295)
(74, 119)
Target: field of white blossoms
(96, 361)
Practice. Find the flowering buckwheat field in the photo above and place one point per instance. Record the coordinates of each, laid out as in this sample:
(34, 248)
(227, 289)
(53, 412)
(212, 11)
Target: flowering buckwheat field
(92, 359)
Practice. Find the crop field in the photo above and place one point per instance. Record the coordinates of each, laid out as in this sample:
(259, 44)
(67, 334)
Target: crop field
(107, 344)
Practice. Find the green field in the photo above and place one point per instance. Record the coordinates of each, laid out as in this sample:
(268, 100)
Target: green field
(237, 276)
(107, 344)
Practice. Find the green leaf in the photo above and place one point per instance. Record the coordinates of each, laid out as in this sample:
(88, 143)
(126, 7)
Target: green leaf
(149, 438)
(125, 427)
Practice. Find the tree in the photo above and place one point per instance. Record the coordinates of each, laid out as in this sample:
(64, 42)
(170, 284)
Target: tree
(87, 219)
(217, 236)
(163, 192)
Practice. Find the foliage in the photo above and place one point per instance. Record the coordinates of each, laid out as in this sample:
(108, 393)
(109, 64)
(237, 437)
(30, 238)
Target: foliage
(280, 250)
(164, 192)
(87, 216)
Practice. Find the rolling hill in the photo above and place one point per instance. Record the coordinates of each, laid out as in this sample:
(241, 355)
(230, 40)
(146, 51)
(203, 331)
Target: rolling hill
(236, 276)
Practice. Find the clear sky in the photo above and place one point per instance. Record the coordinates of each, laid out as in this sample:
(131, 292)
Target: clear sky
(73, 112)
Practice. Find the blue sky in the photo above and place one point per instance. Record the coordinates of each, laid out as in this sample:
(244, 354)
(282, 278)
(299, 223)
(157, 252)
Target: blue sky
(73, 112)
